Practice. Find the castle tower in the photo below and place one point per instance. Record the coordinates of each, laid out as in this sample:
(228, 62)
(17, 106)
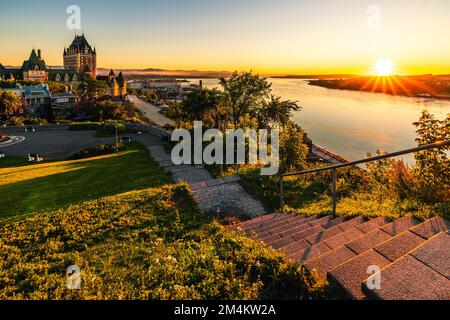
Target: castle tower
(80, 56)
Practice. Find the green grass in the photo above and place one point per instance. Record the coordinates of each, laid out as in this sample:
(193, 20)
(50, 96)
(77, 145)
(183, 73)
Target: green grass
(9, 161)
(149, 244)
(312, 196)
(46, 186)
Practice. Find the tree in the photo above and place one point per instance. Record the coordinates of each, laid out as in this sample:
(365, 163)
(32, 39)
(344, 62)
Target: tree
(432, 167)
(276, 110)
(57, 87)
(9, 105)
(293, 152)
(243, 93)
(200, 103)
(108, 110)
(90, 89)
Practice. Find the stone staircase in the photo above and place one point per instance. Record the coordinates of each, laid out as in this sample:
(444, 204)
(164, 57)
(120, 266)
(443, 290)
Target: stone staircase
(413, 257)
(213, 196)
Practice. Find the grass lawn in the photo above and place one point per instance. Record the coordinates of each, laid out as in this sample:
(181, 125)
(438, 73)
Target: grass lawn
(133, 233)
(32, 188)
(9, 161)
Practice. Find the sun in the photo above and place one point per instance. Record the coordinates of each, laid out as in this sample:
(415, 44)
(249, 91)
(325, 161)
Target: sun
(384, 67)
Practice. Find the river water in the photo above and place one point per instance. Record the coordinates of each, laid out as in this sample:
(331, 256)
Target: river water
(352, 123)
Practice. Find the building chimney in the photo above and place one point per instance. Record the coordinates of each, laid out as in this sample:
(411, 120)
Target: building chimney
(39, 53)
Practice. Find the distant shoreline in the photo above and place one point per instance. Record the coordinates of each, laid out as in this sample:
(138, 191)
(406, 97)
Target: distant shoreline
(429, 87)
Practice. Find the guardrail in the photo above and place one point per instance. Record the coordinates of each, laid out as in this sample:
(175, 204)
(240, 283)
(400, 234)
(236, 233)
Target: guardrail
(436, 145)
(147, 128)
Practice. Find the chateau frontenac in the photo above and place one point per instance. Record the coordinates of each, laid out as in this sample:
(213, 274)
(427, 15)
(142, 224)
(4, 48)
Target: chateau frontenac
(80, 62)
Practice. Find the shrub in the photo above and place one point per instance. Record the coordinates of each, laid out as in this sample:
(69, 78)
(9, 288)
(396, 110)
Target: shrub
(85, 126)
(35, 121)
(110, 127)
(96, 151)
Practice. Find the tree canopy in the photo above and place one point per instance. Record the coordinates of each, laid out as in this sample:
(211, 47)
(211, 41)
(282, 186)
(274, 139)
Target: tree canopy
(9, 105)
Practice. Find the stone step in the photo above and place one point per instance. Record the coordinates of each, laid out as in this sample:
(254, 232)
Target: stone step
(285, 230)
(305, 246)
(292, 240)
(378, 236)
(377, 248)
(281, 223)
(347, 251)
(264, 220)
(423, 274)
(392, 249)
(431, 227)
(314, 245)
(246, 224)
(290, 227)
(373, 224)
(339, 228)
(349, 275)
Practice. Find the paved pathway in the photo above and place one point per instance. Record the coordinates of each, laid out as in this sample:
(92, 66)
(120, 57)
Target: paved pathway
(214, 196)
(150, 111)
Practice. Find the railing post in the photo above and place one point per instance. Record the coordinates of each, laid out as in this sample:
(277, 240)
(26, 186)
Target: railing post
(281, 194)
(334, 191)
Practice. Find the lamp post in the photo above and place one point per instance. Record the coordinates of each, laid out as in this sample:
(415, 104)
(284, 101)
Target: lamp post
(117, 139)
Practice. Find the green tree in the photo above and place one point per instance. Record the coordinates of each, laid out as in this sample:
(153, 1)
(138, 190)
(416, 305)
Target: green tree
(277, 111)
(90, 89)
(432, 167)
(244, 93)
(201, 104)
(293, 152)
(108, 110)
(9, 105)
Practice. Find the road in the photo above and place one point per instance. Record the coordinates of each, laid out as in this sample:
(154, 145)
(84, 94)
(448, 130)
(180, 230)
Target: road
(150, 111)
(54, 143)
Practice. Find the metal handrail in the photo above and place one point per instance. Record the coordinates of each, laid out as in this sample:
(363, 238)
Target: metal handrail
(439, 144)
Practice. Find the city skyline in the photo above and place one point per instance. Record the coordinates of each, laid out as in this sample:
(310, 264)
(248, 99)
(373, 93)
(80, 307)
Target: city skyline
(283, 37)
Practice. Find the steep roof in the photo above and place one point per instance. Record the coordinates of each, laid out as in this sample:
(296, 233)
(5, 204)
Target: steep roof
(120, 79)
(33, 62)
(80, 44)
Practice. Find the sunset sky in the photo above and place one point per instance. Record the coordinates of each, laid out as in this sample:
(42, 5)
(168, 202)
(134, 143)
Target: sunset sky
(268, 36)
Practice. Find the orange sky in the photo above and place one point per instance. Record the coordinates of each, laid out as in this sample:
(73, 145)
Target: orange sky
(267, 36)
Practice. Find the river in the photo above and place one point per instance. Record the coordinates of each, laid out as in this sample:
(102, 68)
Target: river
(352, 123)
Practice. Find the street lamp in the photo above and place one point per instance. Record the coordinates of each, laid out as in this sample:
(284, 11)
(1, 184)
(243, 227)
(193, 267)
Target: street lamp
(117, 139)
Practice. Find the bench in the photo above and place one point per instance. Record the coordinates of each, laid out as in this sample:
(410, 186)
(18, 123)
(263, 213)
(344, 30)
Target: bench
(2, 155)
(34, 157)
(30, 129)
(126, 139)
